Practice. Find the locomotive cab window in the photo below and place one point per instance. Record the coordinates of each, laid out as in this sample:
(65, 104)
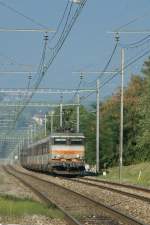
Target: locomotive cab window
(60, 141)
(76, 141)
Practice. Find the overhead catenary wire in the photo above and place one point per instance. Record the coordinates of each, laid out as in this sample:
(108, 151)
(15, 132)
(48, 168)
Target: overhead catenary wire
(66, 33)
(44, 67)
(40, 71)
(60, 22)
(66, 23)
(105, 68)
(137, 43)
(20, 108)
(126, 66)
(61, 41)
(12, 61)
(132, 61)
(132, 21)
(108, 62)
(78, 87)
(16, 11)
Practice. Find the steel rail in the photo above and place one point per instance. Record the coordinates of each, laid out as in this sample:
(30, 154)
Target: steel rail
(116, 214)
(125, 193)
(133, 187)
(68, 218)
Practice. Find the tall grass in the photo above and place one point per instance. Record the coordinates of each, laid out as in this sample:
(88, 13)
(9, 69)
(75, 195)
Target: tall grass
(138, 174)
(11, 206)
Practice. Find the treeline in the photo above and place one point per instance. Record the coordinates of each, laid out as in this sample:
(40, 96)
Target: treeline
(136, 123)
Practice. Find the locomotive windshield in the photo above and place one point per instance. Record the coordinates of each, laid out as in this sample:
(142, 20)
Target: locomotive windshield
(76, 141)
(68, 140)
(60, 140)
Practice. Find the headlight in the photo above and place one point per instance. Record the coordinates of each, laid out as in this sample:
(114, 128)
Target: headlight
(58, 156)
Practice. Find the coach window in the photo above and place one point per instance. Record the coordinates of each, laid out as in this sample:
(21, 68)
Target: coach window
(38, 149)
(41, 149)
(44, 148)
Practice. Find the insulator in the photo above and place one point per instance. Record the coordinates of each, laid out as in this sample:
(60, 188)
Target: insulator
(117, 36)
(81, 76)
(46, 37)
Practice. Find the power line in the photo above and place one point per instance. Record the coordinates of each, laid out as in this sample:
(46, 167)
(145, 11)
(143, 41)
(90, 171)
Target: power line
(14, 62)
(69, 13)
(131, 21)
(61, 20)
(22, 14)
(78, 87)
(44, 67)
(126, 66)
(66, 33)
(109, 60)
(137, 43)
(85, 97)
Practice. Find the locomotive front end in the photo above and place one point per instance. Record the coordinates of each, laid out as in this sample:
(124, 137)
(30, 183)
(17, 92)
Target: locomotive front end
(67, 154)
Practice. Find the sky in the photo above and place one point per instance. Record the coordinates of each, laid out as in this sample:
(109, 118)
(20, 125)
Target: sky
(88, 46)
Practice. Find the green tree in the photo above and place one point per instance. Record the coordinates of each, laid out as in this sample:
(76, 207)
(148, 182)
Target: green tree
(109, 131)
(144, 127)
(110, 124)
(132, 117)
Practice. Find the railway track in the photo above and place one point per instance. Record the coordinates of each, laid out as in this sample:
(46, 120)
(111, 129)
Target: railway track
(115, 187)
(87, 210)
(129, 186)
(68, 218)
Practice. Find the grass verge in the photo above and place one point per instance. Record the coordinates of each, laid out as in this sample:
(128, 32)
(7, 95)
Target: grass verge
(11, 206)
(138, 174)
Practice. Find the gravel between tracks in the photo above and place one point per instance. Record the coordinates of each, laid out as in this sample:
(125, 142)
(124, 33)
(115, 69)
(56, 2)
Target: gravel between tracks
(32, 220)
(137, 208)
(11, 186)
(78, 207)
(130, 190)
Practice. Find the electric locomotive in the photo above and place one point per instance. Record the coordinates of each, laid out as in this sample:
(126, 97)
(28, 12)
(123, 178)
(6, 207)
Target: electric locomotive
(59, 153)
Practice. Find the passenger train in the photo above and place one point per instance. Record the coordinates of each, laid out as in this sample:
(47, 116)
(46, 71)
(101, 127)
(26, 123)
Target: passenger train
(59, 153)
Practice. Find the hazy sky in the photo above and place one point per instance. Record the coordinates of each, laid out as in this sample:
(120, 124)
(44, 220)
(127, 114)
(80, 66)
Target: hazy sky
(88, 46)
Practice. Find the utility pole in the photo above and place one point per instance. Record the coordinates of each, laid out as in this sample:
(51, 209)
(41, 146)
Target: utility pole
(61, 112)
(52, 121)
(28, 137)
(45, 125)
(31, 133)
(121, 116)
(34, 131)
(97, 124)
(78, 113)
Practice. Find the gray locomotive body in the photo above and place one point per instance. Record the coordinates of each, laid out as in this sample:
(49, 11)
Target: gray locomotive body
(59, 153)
